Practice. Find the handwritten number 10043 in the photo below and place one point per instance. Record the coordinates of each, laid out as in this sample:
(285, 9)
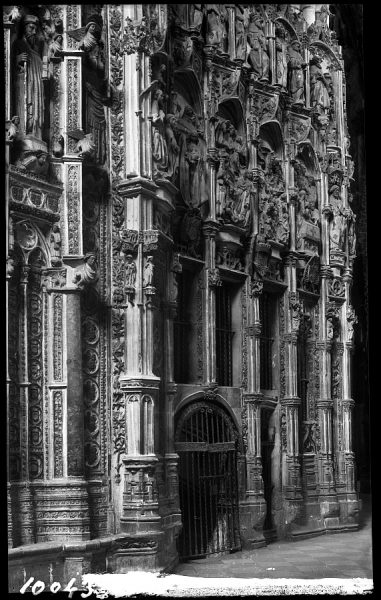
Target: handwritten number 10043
(39, 586)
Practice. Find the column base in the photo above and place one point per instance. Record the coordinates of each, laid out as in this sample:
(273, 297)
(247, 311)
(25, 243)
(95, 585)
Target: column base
(62, 511)
(252, 514)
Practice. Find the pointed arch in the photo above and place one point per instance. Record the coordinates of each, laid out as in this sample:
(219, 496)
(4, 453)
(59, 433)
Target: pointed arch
(271, 132)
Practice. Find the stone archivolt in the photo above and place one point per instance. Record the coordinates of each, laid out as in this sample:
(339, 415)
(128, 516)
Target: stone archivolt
(145, 144)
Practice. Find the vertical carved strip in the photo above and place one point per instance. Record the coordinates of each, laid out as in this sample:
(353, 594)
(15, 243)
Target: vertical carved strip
(57, 338)
(7, 70)
(116, 76)
(73, 89)
(14, 309)
(35, 363)
(58, 433)
(244, 339)
(56, 129)
(73, 21)
(74, 208)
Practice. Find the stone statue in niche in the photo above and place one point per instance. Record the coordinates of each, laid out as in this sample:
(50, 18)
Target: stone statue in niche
(216, 31)
(192, 170)
(296, 66)
(338, 223)
(309, 441)
(282, 230)
(97, 87)
(240, 32)
(55, 245)
(159, 145)
(87, 273)
(172, 146)
(351, 232)
(148, 272)
(281, 57)
(195, 16)
(258, 56)
(28, 52)
(130, 272)
(222, 184)
(351, 321)
(319, 96)
(190, 231)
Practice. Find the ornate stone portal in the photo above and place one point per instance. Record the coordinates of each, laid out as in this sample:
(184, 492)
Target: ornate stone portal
(148, 146)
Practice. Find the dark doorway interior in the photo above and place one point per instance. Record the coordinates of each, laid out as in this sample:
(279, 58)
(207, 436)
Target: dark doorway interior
(267, 447)
(206, 445)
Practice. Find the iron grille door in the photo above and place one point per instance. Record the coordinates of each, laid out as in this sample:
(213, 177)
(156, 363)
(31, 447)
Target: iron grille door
(208, 485)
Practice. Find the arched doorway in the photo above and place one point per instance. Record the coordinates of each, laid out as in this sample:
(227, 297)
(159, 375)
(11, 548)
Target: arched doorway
(206, 441)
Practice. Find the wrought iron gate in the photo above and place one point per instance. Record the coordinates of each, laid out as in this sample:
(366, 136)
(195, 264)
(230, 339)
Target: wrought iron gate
(206, 444)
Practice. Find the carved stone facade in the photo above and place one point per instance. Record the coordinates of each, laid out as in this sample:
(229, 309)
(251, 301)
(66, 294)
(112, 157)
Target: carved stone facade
(175, 170)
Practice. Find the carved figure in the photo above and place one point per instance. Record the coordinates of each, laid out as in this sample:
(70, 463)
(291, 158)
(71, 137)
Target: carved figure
(351, 321)
(97, 88)
(282, 227)
(172, 146)
(159, 145)
(192, 171)
(29, 103)
(281, 57)
(191, 230)
(215, 29)
(12, 128)
(338, 222)
(240, 32)
(309, 441)
(55, 241)
(296, 65)
(86, 273)
(130, 272)
(352, 233)
(148, 271)
(258, 56)
(52, 31)
(35, 161)
(319, 97)
(85, 146)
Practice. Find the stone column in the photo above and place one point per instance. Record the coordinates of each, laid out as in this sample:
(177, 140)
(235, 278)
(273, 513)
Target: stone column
(290, 403)
(8, 26)
(231, 16)
(212, 279)
(171, 457)
(138, 383)
(253, 508)
(21, 489)
(270, 34)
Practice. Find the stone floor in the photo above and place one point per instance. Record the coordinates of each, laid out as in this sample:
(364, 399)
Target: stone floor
(336, 555)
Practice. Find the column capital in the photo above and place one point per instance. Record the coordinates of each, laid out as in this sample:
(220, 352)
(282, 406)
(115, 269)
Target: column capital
(326, 271)
(210, 228)
(128, 188)
(214, 278)
(324, 403)
(252, 398)
(348, 403)
(290, 401)
(139, 383)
